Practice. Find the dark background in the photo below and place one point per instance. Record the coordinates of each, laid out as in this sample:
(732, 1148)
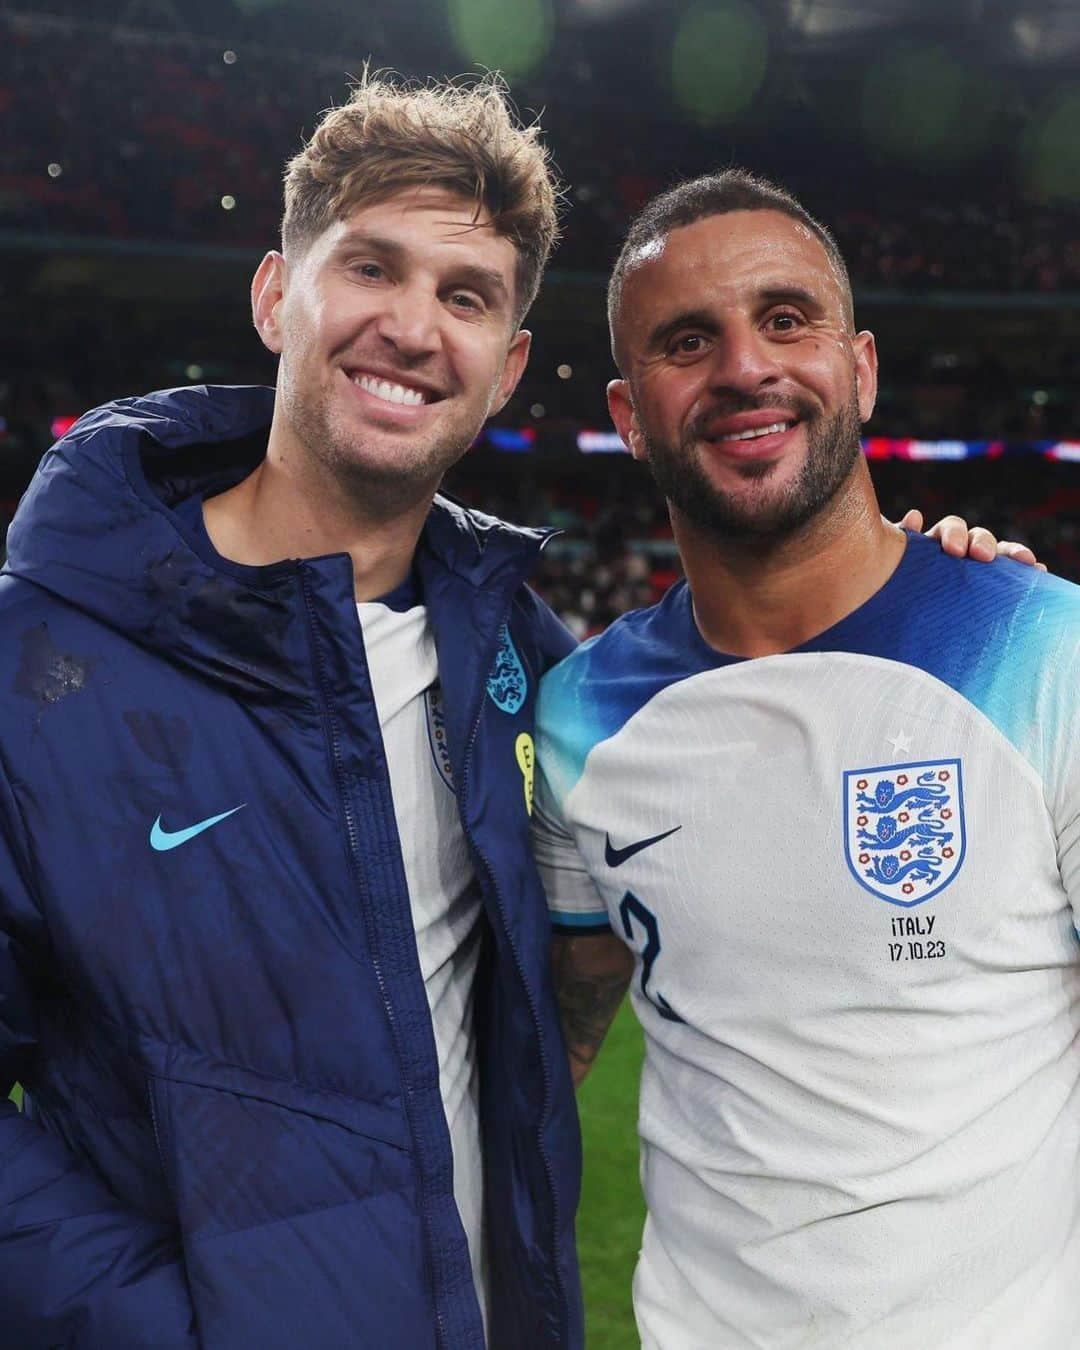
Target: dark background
(140, 173)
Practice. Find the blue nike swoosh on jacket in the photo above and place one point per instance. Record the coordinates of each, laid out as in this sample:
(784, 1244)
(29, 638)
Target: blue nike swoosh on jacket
(233, 1134)
(164, 840)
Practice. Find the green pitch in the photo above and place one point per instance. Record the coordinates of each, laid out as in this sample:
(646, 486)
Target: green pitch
(612, 1211)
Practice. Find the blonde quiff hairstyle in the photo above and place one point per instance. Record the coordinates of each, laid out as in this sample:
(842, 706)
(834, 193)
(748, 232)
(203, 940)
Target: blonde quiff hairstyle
(464, 138)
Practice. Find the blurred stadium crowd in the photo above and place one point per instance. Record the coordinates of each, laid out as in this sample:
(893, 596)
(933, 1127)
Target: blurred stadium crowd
(616, 551)
(148, 133)
(153, 137)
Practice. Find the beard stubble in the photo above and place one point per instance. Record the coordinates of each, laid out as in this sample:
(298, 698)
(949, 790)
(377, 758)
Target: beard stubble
(832, 447)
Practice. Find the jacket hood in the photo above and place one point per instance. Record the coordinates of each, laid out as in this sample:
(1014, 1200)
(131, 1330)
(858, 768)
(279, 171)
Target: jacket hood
(97, 529)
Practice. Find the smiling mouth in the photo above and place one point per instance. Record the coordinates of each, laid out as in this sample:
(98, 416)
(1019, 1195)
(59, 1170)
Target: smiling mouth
(390, 392)
(755, 433)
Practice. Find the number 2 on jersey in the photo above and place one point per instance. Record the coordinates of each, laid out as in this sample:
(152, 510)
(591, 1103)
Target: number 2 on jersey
(631, 909)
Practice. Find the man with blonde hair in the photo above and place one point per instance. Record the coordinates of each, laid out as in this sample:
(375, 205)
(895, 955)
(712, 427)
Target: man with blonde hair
(273, 954)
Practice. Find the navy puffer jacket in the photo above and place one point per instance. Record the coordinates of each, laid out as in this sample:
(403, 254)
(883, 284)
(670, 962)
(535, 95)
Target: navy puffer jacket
(233, 1135)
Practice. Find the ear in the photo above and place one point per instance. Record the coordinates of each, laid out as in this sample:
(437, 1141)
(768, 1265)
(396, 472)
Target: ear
(267, 292)
(513, 368)
(865, 374)
(621, 406)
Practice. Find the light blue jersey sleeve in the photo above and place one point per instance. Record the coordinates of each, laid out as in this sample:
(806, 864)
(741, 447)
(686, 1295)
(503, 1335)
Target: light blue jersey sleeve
(575, 904)
(1020, 633)
(1033, 696)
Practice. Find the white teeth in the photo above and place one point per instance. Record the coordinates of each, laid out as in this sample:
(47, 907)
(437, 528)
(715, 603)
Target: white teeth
(756, 432)
(390, 393)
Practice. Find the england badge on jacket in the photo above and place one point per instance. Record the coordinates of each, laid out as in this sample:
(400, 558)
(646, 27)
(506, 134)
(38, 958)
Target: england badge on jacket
(904, 829)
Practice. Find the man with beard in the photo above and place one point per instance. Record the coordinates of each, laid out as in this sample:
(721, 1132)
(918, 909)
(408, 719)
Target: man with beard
(822, 803)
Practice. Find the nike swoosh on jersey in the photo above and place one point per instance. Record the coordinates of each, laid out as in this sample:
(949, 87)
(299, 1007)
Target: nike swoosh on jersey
(162, 840)
(615, 857)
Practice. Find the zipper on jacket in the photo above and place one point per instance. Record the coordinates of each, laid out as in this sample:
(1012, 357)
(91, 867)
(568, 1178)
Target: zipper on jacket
(353, 840)
(533, 1011)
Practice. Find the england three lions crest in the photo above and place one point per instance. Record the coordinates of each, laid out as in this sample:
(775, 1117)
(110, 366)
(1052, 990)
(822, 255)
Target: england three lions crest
(904, 829)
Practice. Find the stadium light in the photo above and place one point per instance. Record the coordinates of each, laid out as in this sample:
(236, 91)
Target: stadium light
(600, 443)
(604, 9)
(718, 60)
(511, 38)
(921, 102)
(1050, 152)
(1048, 31)
(823, 19)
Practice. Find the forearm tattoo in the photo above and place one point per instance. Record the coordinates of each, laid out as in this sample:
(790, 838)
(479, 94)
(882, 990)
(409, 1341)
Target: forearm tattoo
(588, 1001)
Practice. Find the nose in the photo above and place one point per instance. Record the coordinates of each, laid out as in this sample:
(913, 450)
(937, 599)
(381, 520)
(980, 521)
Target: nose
(744, 360)
(408, 321)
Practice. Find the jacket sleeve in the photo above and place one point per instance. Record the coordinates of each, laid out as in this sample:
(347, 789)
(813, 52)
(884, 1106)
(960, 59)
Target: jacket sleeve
(77, 1269)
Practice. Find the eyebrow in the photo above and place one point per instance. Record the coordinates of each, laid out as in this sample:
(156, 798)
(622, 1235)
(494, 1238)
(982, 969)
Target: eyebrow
(703, 319)
(485, 279)
(799, 295)
(686, 318)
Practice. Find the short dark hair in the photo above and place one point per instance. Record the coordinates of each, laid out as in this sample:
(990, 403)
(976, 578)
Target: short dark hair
(714, 194)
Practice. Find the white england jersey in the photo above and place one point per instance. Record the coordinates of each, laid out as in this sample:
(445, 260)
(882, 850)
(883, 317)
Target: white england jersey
(445, 900)
(851, 875)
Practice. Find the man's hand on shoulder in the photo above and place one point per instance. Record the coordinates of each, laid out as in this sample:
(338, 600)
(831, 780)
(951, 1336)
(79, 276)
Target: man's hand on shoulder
(956, 538)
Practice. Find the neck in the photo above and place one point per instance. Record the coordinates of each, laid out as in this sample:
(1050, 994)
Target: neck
(757, 597)
(293, 506)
